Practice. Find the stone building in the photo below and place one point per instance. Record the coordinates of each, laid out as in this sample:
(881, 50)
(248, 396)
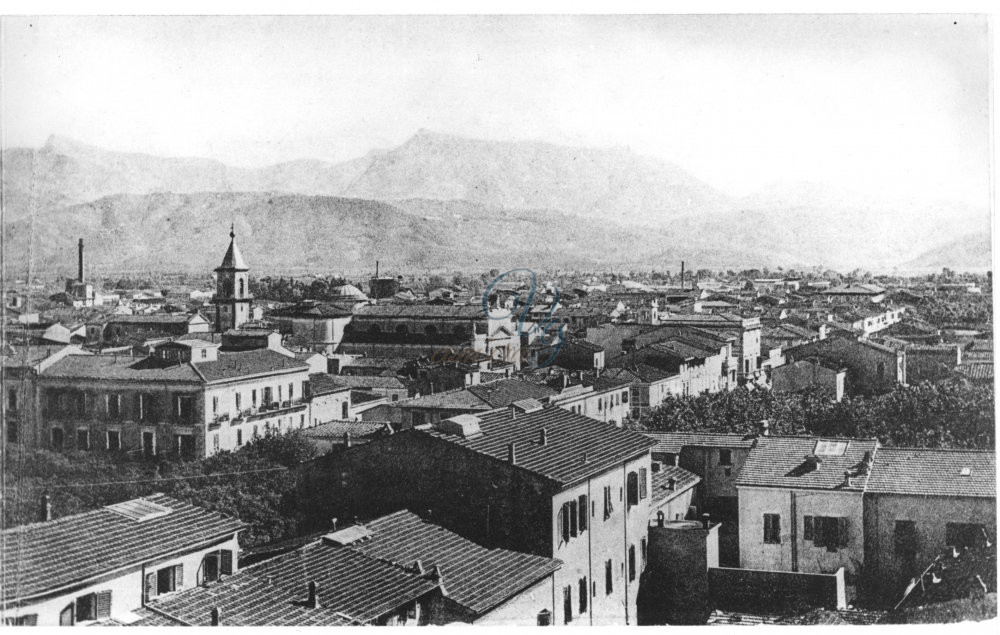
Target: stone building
(232, 289)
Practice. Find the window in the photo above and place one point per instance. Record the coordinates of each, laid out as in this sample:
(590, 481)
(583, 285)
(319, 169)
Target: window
(305, 390)
(583, 595)
(633, 489)
(169, 579)
(114, 405)
(582, 511)
(215, 405)
(395, 397)
(671, 459)
(608, 507)
(12, 400)
(830, 448)
(83, 439)
(609, 584)
(642, 551)
(905, 538)
(185, 445)
(291, 391)
(344, 411)
(12, 430)
(266, 397)
(239, 403)
(239, 437)
(726, 458)
(183, 407)
(253, 398)
(631, 563)
(57, 438)
(567, 604)
(544, 617)
(22, 620)
(216, 564)
(625, 397)
(964, 534)
(825, 531)
(114, 440)
(148, 443)
(204, 353)
(215, 442)
(302, 421)
(772, 529)
(86, 607)
(642, 483)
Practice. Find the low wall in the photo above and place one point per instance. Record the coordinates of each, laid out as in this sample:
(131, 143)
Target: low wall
(762, 591)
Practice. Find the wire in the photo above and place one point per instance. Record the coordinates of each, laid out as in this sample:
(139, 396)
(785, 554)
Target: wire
(153, 481)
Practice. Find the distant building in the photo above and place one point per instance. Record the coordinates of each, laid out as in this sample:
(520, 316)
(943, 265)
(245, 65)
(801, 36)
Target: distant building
(101, 566)
(810, 374)
(854, 293)
(870, 366)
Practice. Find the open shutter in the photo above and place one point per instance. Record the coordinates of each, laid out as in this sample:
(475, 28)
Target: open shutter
(178, 577)
(584, 509)
(561, 524)
(807, 531)
(573, 518)
(842, 532)
(642, 483)
(103, 605)
(30, 620)
(150, 586)
(226, 566)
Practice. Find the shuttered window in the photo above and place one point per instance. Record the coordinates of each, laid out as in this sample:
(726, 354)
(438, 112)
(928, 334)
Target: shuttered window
(567, 604)
(583, 509)
(583, 595)
(103, 605)
(631, 563)
(633, 489)
(86, 607)
(772, 529)
(150, 588)
(226, 562)
(609, 585)
(642, 483)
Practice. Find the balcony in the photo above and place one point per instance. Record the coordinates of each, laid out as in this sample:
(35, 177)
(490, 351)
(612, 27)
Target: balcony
(273, 409)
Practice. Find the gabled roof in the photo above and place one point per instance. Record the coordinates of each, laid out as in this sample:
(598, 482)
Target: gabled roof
(126, 368)
(366, 382)
(43, 557)
(351, 588)
(934, 472)
(477, 577)
(981, 371)
(338, 428)
(247, 363)
(325, 384)
(782, 462)
(499, 394)
(674, 442)
(576, 446)
(422, 311)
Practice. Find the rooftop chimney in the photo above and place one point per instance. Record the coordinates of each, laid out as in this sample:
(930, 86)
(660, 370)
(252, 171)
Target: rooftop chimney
(216, 616)
(706, 521)
(847, 478)
(46, 508)
(79, 273)
(347, 439)
(418, 567)
(513, 412)
(765, 427)
(313, 601)
(542, 436)
(682, 275)
(671, 484)
(333, 523)
(511, 451)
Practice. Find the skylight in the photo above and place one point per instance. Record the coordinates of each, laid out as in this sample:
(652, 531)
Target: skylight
(139, 509)
(830, 448)
(966, 471)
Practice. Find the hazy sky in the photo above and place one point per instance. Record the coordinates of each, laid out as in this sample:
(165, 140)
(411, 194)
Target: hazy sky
(894, 105)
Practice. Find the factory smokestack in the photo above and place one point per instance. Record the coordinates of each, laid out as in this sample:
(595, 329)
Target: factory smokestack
(79, 273)
(682, 275)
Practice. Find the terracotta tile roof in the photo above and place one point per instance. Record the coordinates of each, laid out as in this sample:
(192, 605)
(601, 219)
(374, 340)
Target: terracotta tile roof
(673, 442)
(325, 384)
(126, 368)
(421, 311)
(351, 588)
(933, 472)
(451, 399)
(486, 377)
(477, 577)
(978, 370)
(336, 429)
(312, 310)
(247, 363)
(570, 438)
(781, 462)
(370, 381)
(499, 394)
(42, 557)
(683, 481)
(152, 318)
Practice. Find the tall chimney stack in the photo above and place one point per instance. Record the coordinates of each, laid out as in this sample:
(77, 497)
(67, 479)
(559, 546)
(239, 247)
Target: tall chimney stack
(79, 273)
(313, 601)
(682, 275)
(216, 617)
(46, 508)
(512, 454)
(376, 268)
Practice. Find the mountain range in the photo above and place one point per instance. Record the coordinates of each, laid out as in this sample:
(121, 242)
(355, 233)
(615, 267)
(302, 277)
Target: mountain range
(444, 202)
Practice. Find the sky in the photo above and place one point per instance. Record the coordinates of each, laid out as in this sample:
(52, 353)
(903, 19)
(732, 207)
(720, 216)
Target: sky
(887, 105)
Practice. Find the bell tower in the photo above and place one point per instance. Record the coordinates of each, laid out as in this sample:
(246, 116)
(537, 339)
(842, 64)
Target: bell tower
(232, 289)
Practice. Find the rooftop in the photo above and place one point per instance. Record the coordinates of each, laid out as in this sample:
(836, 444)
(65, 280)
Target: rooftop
(337, 429)
(576, 446)
(325, 384)
(351, 587)
(476, 577)
(784, 462)
(683, 481)
(673, 442)
(43, 557)
(934, 472)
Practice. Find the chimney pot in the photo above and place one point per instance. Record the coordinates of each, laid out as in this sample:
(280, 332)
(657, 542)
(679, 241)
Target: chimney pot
(671, 484)
(46, 508)
(847, 478)
(513, 413)
(705, 520)
(216, 616)
(419, 567)
(542, 436)
(512, 454)
(347, 439)
(333, 523)
(313, 598)
(659, 519)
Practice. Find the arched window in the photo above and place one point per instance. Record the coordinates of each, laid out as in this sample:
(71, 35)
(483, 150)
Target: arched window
(227, 288)
(241, 289)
